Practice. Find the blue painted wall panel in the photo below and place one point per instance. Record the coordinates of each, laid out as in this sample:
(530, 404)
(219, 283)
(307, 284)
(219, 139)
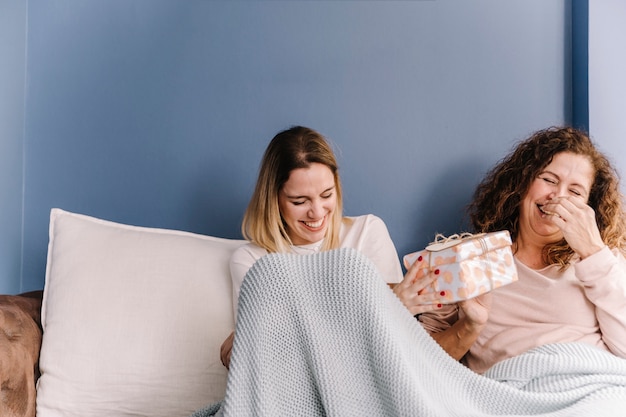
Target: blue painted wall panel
(156, 113)
(12, 74)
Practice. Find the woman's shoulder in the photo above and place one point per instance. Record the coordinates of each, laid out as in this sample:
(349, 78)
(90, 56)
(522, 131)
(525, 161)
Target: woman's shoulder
(365, 224)
(365, 219)
(246, 252)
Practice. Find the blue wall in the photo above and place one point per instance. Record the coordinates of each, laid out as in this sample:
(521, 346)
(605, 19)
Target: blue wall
(580, 60)
(156, 112)
(12, 74)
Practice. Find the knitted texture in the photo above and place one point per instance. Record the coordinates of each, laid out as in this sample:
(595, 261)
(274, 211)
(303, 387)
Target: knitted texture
(322, 335)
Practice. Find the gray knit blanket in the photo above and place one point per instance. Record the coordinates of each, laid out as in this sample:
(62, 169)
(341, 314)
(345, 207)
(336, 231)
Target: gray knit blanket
(322, 335)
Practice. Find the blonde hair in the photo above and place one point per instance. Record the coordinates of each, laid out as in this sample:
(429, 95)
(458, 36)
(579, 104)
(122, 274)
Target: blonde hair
(294, 148)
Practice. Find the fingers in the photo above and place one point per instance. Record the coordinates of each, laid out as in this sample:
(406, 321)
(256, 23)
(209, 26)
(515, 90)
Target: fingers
(225, 357)
(477, 309)
(577, 221)
(416, 291)
(567, 208)
(416, 276)
(226, 349)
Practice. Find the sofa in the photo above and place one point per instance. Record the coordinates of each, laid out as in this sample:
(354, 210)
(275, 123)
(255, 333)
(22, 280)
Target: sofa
(131, 319)
(129, 323)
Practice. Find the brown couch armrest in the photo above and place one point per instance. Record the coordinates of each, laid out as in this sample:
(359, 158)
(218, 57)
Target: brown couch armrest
(20, 341)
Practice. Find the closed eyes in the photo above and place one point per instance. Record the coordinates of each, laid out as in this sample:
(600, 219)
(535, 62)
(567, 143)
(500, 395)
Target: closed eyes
(553, 181)
(300, 202)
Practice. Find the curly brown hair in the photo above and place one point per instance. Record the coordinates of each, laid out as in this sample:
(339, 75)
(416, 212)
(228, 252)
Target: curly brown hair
(496, 202)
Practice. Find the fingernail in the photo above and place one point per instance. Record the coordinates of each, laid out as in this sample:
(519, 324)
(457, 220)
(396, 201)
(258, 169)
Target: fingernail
(442, 293)
(439, 306)
(420, 258)
(436, 272)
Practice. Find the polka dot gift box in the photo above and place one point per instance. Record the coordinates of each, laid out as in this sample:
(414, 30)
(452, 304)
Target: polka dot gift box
(467, 265)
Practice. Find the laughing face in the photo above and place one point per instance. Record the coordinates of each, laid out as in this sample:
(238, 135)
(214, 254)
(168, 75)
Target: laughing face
(307, 201)
(568, 176)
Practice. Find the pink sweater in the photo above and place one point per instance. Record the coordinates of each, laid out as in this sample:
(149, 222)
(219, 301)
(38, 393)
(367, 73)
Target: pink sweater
(585, 303)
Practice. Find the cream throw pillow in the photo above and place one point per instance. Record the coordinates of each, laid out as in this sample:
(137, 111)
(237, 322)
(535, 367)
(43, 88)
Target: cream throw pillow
(133, 319)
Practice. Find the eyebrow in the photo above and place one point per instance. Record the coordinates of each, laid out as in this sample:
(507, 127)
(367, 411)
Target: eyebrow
(295, 197)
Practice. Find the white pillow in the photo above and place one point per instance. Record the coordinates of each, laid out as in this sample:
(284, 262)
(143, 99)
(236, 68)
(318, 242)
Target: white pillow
(133, 319)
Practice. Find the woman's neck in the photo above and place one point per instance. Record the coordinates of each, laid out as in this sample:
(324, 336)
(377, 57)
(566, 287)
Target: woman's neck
(529, 254)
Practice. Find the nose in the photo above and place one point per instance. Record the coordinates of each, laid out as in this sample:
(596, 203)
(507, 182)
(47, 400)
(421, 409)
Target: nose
(562, 191)
(316, 209)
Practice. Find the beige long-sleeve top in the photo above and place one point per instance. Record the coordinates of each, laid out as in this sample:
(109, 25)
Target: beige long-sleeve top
(585, 303)
(367, 233)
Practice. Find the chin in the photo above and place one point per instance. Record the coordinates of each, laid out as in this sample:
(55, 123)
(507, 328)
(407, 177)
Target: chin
(552, 236)
(312, 237)
(318, 236)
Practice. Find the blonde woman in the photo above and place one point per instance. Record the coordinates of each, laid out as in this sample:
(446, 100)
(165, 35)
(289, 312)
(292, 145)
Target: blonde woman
(297, 206)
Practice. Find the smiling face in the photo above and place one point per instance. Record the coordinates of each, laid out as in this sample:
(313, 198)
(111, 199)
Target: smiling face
(568, 175)
(307, 201)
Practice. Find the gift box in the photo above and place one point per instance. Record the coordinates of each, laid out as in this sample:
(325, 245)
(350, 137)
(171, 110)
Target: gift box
(467, 265)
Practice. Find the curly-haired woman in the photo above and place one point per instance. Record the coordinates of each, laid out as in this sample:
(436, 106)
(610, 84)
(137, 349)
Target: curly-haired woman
(559, 197)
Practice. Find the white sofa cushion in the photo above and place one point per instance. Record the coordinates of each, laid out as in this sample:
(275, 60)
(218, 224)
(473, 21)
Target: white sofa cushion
(133, 319)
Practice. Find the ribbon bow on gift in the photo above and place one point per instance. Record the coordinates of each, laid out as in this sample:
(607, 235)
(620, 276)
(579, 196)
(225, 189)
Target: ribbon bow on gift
(442, 242)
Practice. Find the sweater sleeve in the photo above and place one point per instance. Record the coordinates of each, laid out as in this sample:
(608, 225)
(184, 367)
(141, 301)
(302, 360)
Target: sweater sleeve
(439, 320)
(603, 276)
(240, 262)
(370, 235)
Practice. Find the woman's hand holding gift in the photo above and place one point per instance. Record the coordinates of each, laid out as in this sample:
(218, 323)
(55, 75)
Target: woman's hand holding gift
(413, 291)
(476, 311)
(416, 294)
(461, 335)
